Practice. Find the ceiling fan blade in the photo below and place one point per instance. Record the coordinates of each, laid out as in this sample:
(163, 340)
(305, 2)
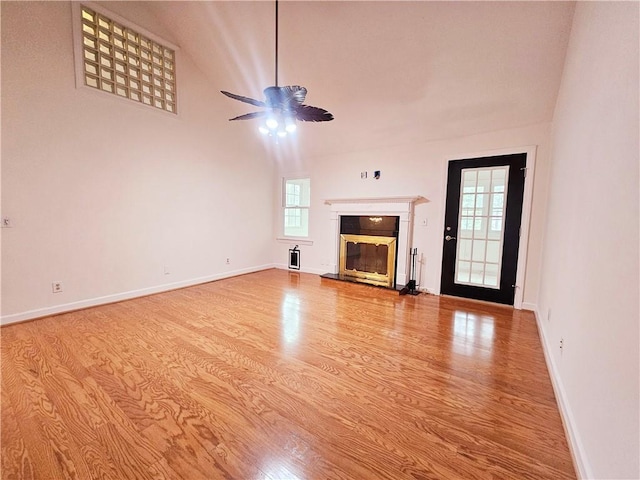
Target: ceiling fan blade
(251, 101)
(307, 113)
(249, 116)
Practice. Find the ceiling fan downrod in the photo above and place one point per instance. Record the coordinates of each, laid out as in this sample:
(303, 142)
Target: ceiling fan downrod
(276, 43)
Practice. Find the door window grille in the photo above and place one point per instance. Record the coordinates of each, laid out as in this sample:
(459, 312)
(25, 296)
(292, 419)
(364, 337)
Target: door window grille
(481, 220)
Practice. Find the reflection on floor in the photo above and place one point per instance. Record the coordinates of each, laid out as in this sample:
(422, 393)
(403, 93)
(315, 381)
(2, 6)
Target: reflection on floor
(473, 334)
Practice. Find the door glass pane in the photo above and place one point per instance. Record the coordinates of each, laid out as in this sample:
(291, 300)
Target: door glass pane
(480, 226)
(477, 273)
(478, 250)
(462, 271)
(464, 251)
(491, 275)
(465, 230)
(484, 180)
(493, 251)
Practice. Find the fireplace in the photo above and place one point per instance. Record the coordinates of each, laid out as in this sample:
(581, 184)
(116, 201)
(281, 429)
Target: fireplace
(368, 247)
(396, 238)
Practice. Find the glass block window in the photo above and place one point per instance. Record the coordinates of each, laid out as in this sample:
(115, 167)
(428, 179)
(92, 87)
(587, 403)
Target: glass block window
(119, 60)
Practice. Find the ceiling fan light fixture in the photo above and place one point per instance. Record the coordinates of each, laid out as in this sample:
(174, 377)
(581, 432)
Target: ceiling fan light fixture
(284, 105)
(290, 124)
(271, 123)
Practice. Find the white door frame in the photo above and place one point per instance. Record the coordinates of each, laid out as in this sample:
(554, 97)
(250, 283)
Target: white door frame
(527, 201)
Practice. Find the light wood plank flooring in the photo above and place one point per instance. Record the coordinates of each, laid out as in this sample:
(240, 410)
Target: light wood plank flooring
(280, 375)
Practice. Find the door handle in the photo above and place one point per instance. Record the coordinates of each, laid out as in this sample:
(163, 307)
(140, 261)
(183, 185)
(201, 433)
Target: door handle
(448, 238)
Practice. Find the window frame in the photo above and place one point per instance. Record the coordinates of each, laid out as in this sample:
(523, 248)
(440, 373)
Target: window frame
(284, 206)
(78, 54)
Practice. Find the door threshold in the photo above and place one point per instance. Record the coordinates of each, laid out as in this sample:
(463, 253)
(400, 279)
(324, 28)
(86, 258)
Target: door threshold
(481, 302)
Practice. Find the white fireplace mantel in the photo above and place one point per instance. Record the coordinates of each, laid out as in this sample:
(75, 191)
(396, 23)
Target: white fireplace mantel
(401, 207)
(376, 200)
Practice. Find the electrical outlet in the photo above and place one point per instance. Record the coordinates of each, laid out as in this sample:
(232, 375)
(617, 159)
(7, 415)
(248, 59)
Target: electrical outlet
(549, 315)
(6, 222)
(167, 270)
(363, 175)
(561, 344)
(57, 287)
(228, 261)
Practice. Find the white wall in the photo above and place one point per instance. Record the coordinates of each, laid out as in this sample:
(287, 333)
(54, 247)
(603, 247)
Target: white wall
(411, 169)
(103, 193)
(589, 295)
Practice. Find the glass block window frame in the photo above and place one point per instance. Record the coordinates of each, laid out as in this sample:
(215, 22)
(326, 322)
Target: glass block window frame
(117, 57)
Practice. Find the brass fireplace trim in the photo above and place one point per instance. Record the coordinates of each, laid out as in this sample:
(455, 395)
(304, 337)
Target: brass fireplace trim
(373, 278)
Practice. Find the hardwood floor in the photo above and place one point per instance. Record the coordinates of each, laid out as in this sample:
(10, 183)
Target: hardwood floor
(279, 375)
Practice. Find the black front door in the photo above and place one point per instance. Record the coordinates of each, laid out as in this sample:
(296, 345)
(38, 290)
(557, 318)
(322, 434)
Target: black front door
(482, 227)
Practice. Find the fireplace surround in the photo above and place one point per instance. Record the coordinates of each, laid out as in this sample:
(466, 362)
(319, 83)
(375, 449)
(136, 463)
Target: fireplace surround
(400, 207)
(368, 249)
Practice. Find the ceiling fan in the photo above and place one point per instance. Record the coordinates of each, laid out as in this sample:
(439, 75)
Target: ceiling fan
(283, 105)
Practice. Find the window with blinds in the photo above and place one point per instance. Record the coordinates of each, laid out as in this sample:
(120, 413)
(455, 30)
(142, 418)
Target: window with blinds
(119, 60)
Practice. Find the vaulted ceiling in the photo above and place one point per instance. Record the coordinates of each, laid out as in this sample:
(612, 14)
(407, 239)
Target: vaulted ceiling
(391, 72)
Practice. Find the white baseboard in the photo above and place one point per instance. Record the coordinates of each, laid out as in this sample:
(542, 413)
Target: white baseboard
(529, 306)
(429, 290)
(117, 297)
(575, 444)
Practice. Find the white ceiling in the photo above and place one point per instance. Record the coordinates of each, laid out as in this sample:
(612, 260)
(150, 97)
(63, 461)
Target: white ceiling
(391, 72)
